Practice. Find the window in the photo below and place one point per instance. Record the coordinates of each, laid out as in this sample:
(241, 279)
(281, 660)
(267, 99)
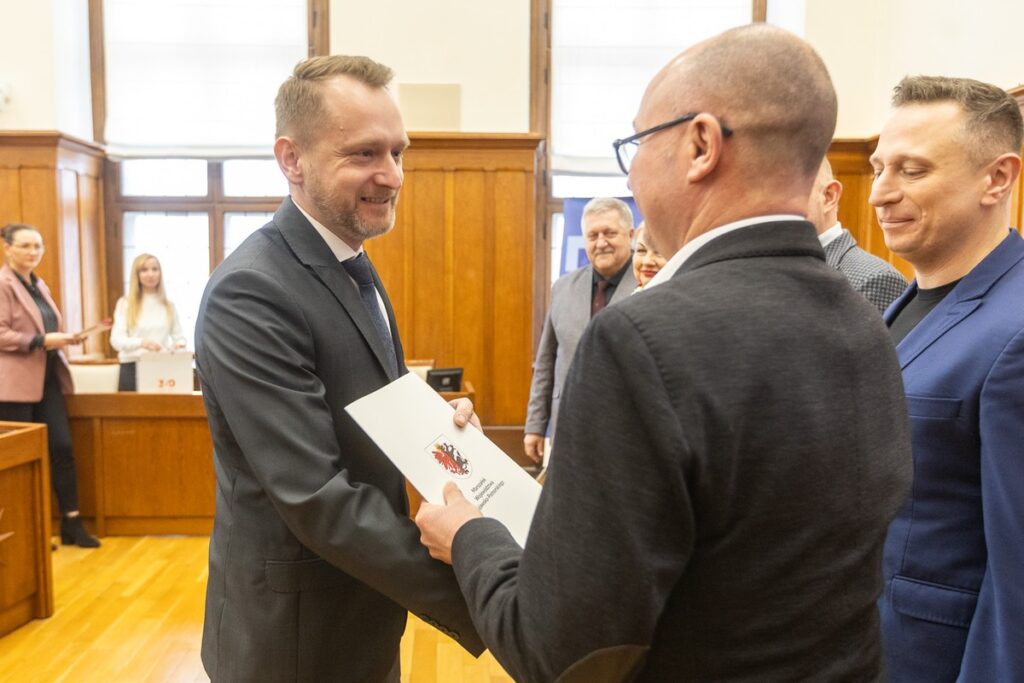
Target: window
(190, 214)
(180, 241)
(199, 78)
(238, 226)
(603, 55)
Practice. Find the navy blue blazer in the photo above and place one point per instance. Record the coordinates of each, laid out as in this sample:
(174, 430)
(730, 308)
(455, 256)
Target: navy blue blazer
(953, 606)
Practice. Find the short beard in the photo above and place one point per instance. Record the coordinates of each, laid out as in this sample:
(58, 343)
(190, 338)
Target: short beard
(346, 223)
(351, 228)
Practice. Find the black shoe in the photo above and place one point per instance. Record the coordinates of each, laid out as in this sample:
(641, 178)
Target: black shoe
(73, 533)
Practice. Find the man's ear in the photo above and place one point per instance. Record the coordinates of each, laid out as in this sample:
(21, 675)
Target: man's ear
(287, 153)
(704, 141)
(833, 192)
(1000, 178)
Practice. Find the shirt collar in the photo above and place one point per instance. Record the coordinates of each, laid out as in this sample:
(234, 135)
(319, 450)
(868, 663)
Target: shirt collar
(688, 249)
(831, 235)
(338, 247)
(615, 279)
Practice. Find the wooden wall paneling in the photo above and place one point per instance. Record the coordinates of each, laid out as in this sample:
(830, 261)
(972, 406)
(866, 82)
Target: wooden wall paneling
(513, 281)
(10, 195)
(1017, 202)
(51, 180)
(471, 261)
(428, 305)
(93, 267)
(70, 249)
(460, 263)
(39, 207)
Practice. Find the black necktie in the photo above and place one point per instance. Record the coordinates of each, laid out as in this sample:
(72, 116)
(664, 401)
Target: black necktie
(600, 297)
(360, 270)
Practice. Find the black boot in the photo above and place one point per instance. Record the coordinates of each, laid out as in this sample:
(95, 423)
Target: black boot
(73, 533)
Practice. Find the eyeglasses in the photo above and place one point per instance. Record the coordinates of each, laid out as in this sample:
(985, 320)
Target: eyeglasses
(29, 247)
(625, 149)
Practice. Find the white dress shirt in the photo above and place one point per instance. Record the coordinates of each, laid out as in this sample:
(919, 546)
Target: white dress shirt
(688, 249)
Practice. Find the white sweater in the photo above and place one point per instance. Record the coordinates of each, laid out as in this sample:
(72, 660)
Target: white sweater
(152, 324)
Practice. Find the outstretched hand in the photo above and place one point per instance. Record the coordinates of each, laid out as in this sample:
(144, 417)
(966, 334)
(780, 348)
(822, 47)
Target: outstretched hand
(439, 523)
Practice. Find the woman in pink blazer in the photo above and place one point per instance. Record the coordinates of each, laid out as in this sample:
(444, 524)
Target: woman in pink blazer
(34, 373)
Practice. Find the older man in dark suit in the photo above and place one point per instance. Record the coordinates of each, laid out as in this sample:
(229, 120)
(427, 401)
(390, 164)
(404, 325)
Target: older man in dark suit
(313, 560)
(732, 443)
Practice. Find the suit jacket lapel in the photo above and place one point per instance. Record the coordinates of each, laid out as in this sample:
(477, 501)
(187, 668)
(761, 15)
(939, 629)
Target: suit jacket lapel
(580, 295)
(26, 301)
(311, 250)
(965, 298)
(626, 285)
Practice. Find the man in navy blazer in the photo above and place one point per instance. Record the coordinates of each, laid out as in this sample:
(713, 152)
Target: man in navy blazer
(945, 166)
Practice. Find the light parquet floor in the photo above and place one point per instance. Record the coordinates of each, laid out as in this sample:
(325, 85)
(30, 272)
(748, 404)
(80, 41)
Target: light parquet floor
(132, 611)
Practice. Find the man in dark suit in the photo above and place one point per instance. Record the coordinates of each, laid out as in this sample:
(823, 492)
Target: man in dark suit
(313, 560)
(575, 298)
(732, 444)
(945, 167)
(876, 279)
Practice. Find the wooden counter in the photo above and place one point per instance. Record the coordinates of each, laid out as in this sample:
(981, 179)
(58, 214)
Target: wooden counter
(26, 575)
(145, 462)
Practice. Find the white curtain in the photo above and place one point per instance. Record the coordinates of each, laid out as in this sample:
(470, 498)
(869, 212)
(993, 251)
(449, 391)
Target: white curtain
(198, 77)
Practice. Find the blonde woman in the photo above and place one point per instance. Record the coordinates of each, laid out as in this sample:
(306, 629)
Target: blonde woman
(646, 260)
(144, 320)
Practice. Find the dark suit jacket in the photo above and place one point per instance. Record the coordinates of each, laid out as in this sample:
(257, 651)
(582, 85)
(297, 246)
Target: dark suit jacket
(731, 449)
(567, 317)
(313, 561)
(953, 608)
(877, 280)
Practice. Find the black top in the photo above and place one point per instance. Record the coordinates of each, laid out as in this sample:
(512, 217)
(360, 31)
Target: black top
(613, 281)
(914, 311)
(49, 315)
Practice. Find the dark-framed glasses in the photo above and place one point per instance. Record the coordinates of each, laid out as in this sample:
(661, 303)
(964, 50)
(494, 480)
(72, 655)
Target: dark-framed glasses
(625, 148)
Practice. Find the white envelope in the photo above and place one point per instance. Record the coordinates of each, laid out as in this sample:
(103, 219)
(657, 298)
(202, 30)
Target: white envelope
(413, 425)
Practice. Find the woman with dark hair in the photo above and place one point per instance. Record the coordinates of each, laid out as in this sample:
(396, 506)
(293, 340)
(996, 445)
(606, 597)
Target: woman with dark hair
(34, 373)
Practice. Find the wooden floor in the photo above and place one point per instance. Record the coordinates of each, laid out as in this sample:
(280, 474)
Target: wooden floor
(133, 611)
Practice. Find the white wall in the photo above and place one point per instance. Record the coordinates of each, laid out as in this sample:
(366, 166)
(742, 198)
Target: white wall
(482, 45)
(27, 64)
(870, 45)
(44, 57)
(73, 87)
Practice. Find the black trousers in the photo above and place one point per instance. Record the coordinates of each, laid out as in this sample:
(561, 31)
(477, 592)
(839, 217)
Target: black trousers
(54, 413)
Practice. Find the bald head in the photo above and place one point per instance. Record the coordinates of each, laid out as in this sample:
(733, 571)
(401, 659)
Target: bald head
(823, 206)
(766, 84)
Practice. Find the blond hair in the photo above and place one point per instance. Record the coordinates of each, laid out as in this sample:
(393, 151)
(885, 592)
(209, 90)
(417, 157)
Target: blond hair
(134, 298)
(299, 105)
